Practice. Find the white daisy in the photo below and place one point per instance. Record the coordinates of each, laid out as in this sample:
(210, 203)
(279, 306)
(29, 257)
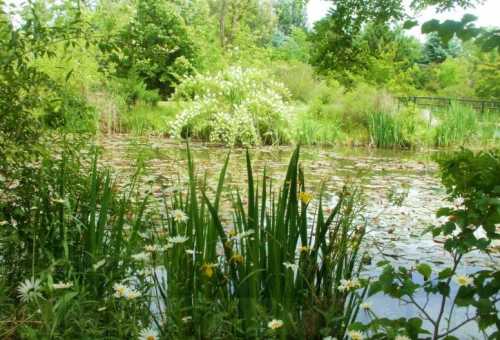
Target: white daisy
(291, 266)
(355, 335)
(401, 337)
(178, 239)
(366, 305)
(179, 216)
(62, 285)
(142, 256)
(120, 290)
(275, 324)
(464, 280)
(29, 290)
(148, 334)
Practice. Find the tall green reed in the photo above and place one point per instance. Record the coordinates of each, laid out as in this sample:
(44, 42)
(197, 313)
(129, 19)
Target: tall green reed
(457, 126)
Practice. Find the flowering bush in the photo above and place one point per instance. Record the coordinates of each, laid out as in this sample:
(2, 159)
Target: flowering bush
(235, 107)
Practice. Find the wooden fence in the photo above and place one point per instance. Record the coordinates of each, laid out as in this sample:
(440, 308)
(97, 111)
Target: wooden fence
(439, 103)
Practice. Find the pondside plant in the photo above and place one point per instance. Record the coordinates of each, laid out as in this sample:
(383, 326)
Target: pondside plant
(473, 184)
(281, 268)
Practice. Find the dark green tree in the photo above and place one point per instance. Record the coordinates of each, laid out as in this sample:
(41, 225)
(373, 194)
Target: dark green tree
(154, 46)
(433, 51)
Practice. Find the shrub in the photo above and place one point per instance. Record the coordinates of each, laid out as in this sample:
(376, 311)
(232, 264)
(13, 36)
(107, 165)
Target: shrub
(235, 107)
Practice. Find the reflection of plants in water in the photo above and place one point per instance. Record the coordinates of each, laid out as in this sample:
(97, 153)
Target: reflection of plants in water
(397, 196)
(472, 180)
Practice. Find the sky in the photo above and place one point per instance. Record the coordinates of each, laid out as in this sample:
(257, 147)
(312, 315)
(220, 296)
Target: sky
(488, 14)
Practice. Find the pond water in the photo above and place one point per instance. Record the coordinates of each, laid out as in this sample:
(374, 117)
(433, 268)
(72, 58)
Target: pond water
(395, 232)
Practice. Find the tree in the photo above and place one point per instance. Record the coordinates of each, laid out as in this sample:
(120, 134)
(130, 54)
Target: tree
(291, 14)
(155, 46)
(334, 46)
(433, 51)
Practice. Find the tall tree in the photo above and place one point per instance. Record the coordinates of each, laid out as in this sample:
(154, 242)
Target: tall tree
(291, 13)
(154, 45)
(334, 47)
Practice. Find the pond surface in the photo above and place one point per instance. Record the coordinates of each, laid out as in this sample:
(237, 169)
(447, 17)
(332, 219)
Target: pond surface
(395, 232)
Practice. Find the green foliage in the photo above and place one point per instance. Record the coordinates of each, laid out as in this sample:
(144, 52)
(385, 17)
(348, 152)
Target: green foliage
(154, 45)
(334, 48)
(291, 14)
(473, 185)
(236, 107)
(143, 119)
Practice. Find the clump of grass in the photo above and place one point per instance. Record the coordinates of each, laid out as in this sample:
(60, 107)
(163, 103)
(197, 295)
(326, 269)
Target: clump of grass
(144, 119)
(385, 131)
(457, 126)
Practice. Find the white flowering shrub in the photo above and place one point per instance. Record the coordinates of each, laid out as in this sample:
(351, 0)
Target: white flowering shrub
(236, 107)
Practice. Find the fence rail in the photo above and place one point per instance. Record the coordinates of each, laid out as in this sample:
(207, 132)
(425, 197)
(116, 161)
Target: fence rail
(481, 106)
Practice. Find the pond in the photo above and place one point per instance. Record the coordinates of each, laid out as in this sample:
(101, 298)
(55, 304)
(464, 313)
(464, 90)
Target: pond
(401, 188)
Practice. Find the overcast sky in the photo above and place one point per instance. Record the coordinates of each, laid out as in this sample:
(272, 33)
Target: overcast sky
(488, 14)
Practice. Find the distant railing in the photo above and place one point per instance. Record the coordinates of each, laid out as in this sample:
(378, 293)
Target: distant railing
(437, 103)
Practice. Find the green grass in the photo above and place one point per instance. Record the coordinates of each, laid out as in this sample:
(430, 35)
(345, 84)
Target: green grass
(458, 126)
(143, 119)
(385, 131)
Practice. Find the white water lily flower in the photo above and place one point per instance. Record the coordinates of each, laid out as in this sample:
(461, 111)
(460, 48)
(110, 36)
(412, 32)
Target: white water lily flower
(329, 338)
(148, 334)
(402, 337)
(29, 290)
(142, 256)
(275, 324)
(62, 285)
(291, 266)
(179, 216)
(355, 335)
(464, 280)
(178, 239)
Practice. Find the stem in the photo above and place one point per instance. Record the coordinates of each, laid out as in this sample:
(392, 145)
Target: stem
(456, 260)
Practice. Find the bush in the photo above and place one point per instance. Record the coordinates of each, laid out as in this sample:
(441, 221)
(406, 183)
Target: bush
(235, 107)
(298, 77)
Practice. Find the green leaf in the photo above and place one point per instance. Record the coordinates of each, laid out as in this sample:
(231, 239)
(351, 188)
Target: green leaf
(425, 270)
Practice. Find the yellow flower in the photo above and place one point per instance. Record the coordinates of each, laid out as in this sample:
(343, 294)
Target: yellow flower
(233, 233)
(208, 269)
(275, 324)
(237, 258)
(304, 249)
(305, 197)
(464, 280)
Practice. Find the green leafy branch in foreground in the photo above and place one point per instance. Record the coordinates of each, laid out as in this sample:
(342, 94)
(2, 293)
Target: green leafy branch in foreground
(473, 184)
